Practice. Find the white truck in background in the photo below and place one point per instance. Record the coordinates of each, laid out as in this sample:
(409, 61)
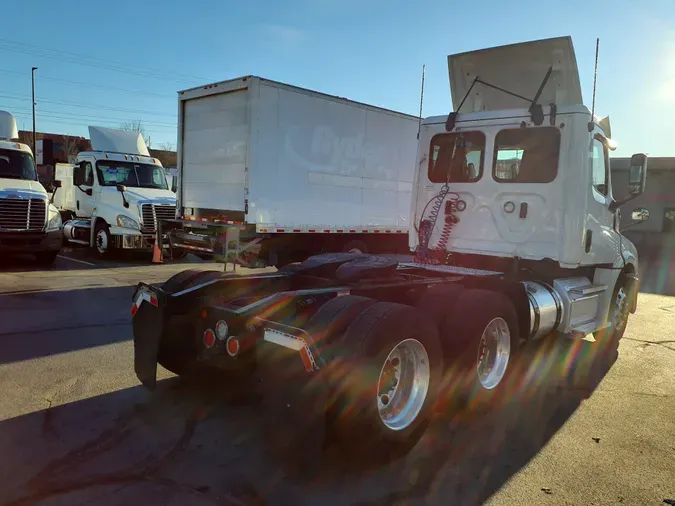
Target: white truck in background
(29, 223)
(298, 172)
(114, 195)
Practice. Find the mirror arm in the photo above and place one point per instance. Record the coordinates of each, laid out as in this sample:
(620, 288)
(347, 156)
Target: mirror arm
(615, 204)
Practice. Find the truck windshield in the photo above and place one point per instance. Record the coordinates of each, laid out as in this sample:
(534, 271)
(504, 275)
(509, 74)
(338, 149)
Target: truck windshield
(138, 175)
(456, 157)
(17, 165)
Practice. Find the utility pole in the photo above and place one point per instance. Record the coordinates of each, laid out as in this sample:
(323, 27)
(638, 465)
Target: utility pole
(32, 76)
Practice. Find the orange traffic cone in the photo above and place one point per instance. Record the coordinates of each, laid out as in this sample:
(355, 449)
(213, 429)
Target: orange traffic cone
(157, 252)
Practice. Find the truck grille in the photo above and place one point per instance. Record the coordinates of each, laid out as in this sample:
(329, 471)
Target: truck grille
(20, 214)
(153, 212)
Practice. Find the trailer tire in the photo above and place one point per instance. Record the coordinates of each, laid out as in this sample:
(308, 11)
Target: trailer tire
(463, 334)
(385, 339)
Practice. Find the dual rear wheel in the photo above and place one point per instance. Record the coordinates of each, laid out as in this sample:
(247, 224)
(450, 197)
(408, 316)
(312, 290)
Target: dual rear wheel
(388, 366)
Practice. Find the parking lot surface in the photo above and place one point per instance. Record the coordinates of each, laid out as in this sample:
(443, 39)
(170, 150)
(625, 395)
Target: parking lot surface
(77, 428)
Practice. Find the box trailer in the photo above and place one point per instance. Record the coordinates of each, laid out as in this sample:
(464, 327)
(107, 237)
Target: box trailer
(295, 171)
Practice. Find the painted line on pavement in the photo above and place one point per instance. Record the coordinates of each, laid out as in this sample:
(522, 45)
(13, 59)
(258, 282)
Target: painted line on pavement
(76, 260)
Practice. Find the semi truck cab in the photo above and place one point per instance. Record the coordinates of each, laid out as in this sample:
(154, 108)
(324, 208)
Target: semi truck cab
(29, 222)
(114, 195)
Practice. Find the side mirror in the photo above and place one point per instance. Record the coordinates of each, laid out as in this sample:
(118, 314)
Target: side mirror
(640, 214)
(121, 188)
(637, 174)
(637, 179)
(174, 184)
(56, 183)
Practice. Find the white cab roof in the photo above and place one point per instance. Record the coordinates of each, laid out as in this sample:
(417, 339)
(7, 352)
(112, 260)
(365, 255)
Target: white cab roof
(117, 141)
(8, 129)
(518, 68)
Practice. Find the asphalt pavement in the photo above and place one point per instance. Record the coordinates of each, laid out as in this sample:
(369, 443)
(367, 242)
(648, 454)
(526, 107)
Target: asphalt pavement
(77, 428)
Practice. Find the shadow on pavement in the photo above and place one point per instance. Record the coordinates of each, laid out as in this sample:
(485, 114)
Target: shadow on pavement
(657, 275)
(47, 323)
(191, 446)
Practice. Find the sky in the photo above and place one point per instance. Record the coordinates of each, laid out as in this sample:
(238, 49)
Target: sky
(106, 63)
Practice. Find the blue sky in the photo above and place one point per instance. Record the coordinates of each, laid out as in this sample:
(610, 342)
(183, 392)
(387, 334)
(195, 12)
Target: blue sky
(142, 52)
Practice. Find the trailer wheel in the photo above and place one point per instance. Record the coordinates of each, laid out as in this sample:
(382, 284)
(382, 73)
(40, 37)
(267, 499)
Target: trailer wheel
(481, 335)
(391, 367)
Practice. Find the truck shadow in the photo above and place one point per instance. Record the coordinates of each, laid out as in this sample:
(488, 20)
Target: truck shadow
(184, 439)
(40, 324)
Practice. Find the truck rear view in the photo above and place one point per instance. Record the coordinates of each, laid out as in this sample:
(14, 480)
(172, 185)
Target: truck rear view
(298, 172)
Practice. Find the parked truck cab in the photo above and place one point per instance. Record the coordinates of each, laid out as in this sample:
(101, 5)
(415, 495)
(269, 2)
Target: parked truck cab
(29, 223)
(515, 228)
(113, 197)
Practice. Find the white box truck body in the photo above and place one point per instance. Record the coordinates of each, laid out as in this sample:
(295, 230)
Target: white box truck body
(282, 160)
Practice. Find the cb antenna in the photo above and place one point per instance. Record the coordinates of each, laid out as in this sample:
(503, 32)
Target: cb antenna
(419, 124)
(595, 82)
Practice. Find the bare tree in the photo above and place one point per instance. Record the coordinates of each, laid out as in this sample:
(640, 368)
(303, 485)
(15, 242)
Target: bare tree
(167, 146)
(71, 147)
(137, 126)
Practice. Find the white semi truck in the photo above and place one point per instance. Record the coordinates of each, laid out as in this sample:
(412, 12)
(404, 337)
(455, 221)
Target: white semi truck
(113, 197)
(298, 172)
(29, 223)
(517, 240)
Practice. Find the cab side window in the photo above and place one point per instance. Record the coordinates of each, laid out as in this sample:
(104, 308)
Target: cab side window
(599, 167)
(88, 174)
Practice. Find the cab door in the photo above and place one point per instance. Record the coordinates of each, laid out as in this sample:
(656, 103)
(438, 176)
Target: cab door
(601, 239)
(84, 182)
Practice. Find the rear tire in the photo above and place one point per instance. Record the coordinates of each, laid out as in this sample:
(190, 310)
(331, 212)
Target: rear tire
(391, 366)
(481, 335)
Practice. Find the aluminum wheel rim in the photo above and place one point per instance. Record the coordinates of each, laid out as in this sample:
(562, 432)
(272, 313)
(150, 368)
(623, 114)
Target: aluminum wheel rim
(620, 314)
(403, 384)
(494, 351)
(101, 241)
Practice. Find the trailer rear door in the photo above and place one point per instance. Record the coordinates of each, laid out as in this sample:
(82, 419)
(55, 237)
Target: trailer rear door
(214, 151)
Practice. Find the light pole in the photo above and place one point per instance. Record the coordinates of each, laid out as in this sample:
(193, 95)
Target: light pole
(32, 78)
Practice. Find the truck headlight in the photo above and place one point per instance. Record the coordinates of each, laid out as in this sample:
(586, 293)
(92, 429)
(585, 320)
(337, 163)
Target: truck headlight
(55, 221)
(126, 222)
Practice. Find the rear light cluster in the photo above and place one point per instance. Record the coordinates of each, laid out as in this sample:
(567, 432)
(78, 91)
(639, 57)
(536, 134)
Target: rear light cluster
(211, 337)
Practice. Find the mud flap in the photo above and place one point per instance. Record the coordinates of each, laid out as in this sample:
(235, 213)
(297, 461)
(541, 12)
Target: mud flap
(148, 325)
(294, 408)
